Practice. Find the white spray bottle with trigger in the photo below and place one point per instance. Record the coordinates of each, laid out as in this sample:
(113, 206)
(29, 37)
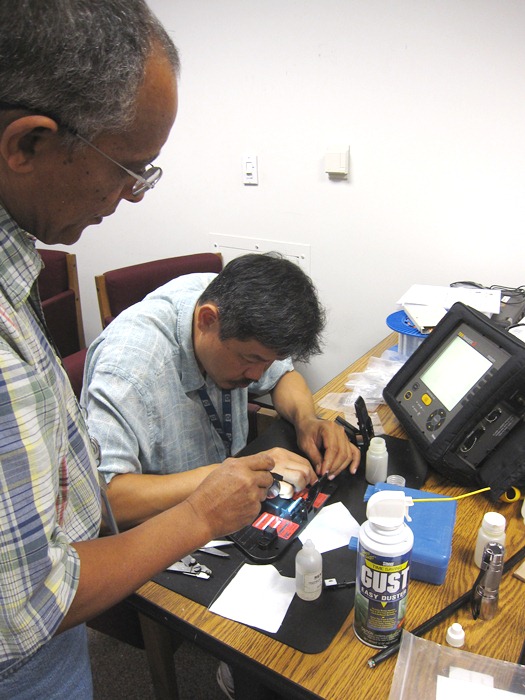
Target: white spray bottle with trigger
(383, 566)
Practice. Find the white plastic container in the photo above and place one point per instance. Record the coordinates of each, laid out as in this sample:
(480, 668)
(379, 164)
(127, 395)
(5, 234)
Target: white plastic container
(455, 635)
(492, 530)
(383, 568)
(396, 480)
(308, 572)
(376, 461)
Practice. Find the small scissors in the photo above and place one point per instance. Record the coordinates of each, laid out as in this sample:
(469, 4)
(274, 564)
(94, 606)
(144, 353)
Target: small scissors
(212, 548)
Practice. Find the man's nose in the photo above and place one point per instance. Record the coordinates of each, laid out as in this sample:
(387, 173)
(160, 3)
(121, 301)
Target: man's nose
(255, 372)
(127, 192)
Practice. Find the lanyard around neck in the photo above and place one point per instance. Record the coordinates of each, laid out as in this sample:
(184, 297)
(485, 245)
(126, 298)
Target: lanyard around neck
(223, 429)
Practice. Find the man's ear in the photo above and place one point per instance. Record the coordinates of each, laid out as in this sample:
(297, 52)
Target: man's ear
(207, 317)
(20, 140)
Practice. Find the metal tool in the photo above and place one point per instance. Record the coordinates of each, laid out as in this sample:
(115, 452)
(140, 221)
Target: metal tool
(190, 567)
(213, 548)
(484, 603)
(214, 552)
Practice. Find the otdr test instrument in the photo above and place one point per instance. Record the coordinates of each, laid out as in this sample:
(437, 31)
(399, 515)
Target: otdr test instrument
(461, 399)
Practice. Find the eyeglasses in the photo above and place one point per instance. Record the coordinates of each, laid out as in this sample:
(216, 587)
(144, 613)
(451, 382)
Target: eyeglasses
(143, 181)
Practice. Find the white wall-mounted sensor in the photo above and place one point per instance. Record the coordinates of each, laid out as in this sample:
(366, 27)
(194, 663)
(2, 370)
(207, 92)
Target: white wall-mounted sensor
(336, 161)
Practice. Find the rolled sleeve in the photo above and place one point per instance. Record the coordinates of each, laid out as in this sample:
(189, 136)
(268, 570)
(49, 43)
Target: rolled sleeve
(118, 412)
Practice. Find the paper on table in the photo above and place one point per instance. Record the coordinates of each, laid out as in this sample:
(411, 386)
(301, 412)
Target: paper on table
(484, 300)
(331, 528)
(258, 596)
(458, 689)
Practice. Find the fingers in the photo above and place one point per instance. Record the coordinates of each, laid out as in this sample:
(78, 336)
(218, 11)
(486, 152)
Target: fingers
(260, 466)
(294, 469)
(339, 452)
(326, 444)
(230, 497)
(286, 490)
(335, 460)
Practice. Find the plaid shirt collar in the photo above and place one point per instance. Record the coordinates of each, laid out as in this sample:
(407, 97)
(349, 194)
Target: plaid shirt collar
(20, 263)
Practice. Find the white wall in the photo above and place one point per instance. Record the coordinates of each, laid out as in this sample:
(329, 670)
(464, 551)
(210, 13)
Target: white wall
(429, 96)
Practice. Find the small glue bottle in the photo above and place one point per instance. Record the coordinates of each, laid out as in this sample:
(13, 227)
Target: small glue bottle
(376, 461)
(308, 572)
(492, 530)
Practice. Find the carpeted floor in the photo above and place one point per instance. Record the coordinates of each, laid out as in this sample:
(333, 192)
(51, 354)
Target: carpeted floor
(120, 671)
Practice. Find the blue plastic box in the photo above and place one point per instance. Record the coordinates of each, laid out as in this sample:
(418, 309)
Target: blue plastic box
(433, 526)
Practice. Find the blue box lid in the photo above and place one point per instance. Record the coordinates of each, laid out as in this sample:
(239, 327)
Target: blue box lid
(432, 525)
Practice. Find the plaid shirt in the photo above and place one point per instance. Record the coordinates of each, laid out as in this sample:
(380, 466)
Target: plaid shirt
(49, 494)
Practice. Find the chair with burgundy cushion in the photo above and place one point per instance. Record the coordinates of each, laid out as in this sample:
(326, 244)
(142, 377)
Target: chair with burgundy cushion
(118, 289)
(59, 291)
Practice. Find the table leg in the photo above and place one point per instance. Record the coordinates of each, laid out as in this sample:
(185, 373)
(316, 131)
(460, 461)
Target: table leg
(249, 688)
(160, 646)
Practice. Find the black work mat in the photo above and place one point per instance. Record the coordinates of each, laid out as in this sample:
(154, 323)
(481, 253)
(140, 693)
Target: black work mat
(308, 626)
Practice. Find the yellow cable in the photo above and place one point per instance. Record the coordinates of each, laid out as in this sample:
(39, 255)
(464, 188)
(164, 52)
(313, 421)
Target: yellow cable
(452, 498)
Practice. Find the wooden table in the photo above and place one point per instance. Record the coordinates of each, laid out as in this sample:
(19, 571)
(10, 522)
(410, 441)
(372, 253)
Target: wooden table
(341, 672)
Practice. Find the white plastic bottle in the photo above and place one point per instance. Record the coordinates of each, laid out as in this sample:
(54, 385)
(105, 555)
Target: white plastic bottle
(492, 530)
(383, 568)
(308, 572)
(376, 461)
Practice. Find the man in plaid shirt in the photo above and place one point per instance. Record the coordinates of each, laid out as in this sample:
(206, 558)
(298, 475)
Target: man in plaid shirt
(88, 95)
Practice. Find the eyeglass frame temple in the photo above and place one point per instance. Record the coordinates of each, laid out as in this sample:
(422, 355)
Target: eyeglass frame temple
(136, 176)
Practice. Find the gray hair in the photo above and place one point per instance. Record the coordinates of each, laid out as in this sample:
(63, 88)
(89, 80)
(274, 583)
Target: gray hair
(79, 61)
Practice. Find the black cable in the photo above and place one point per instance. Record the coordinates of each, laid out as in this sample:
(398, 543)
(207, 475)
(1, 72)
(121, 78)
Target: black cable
(508, 291)
(440, 616)
(468, 283)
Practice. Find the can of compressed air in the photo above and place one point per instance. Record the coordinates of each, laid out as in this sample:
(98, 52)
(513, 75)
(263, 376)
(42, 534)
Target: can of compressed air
(383, 570)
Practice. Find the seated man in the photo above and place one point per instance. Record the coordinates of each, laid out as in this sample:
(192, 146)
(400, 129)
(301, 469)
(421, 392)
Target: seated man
(166, 384)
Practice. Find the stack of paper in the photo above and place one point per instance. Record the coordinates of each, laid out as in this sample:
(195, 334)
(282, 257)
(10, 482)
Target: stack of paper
(425, 304)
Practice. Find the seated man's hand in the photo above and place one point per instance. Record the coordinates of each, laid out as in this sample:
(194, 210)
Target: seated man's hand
(230, 497)
(294, 469)
(327, 446)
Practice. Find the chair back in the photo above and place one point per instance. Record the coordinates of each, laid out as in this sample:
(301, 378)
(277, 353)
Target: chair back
(119, 289)
(59, 292)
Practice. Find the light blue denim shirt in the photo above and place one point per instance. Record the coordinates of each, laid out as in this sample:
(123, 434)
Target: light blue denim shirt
(140, 388)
